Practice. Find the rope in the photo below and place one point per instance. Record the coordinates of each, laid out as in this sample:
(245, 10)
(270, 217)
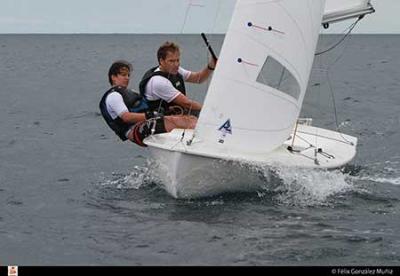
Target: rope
(328, 138)
(216, 17)
(350, 29)
(310, 146)
(335, 109)
(190, 4)
(184, 131)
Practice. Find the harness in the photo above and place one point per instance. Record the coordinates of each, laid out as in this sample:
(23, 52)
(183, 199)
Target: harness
(135, 103)
(160, 105)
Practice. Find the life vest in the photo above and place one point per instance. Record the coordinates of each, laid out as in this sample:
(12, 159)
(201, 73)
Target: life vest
(132, 100)
(177, 81)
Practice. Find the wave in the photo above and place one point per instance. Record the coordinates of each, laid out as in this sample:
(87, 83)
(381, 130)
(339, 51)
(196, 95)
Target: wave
(308, 187)
(282, 185)
(387, 172)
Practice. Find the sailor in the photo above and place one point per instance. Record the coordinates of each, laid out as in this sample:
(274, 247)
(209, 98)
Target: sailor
(164, 86)
(127, 113)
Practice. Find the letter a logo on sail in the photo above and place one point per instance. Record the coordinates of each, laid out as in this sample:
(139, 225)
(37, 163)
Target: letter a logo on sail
(226, 127)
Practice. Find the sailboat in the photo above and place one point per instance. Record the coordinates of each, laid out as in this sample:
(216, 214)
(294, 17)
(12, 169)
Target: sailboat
(250, 116)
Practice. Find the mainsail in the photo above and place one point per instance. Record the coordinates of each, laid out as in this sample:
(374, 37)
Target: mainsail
(257, 90)
(338, 10)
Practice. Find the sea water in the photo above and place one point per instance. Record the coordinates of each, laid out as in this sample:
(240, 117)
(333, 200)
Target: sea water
(72, 194)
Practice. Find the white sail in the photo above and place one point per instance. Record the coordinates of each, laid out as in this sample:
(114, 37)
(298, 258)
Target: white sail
(257, 90)
(338, 10)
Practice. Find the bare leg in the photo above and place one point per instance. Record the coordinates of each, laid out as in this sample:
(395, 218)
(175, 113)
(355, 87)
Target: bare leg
(172, 122)
(184, 122)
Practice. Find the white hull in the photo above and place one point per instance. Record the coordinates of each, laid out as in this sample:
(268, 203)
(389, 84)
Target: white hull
(191, 176)
(197, 171)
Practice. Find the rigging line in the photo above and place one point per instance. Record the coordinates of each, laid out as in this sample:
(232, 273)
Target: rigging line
(292, 150)
(186, 15)
(304, 140)
(190, 141)
(216, 16)
(331, 90)
(159, 109)
(335, 109)
(319, 100)
(333, 100)
(190, 4)
(180, 141)
(303, 155)
(333, 96)
(295, 131)
(328, 138)
(350, 29)
(177, 143)
(189, 112)
(339, 56)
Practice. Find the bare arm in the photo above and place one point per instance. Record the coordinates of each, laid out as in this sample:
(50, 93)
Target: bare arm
(187, 103)
(132, 118)
(201, 76)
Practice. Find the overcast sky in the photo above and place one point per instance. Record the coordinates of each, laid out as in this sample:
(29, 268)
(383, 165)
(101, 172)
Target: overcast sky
(151, 16)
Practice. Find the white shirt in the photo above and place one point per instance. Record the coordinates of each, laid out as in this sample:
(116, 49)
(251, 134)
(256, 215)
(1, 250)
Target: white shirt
(115, 105)
(159, 87)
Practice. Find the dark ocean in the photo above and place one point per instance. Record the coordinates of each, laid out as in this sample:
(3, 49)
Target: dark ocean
(72, 194)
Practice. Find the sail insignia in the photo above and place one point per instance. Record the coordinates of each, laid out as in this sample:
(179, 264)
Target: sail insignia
(225, 129)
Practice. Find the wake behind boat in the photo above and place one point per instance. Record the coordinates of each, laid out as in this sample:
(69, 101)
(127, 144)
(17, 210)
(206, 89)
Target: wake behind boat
(250, 114)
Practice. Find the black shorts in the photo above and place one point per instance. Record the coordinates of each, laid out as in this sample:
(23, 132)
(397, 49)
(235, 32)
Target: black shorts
(144, 129)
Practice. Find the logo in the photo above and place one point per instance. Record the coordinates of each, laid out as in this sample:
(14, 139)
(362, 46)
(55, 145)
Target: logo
(12, 270)
(225, 129)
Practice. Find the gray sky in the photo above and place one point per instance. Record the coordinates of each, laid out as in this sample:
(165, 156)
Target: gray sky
(151, 16)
